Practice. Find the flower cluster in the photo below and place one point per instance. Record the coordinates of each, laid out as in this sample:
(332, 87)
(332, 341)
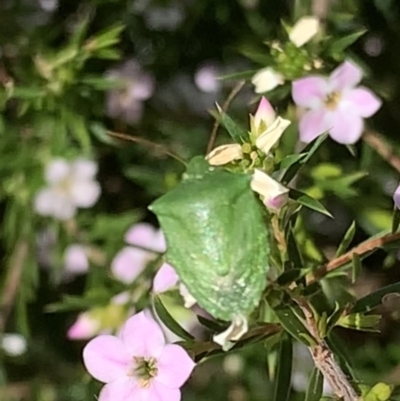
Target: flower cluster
(265, 131)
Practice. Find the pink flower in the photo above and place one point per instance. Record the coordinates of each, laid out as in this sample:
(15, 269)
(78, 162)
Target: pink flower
(165, 279)
(84, 327)
(75, 259)
(137, 364)
(396, 197)
(131, 260)
(334, 104)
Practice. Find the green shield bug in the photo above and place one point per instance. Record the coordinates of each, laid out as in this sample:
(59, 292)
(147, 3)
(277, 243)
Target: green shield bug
(216, 238)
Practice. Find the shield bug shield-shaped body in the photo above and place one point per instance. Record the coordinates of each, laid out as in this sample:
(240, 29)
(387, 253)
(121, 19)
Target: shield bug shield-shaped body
(216, 239)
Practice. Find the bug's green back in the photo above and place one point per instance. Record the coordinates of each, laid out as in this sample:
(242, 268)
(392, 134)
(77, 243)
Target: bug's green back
(216, 240)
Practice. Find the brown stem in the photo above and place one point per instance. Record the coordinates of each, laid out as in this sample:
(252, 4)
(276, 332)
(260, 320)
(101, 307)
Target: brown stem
(236, 89)
(379, 144)
(13, 281)
(148, 143)
(360, 249)
(320, 8)
(324, 359)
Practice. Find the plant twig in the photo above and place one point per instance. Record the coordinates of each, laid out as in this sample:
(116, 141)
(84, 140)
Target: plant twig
(320, 8)
(379, 144)
(12, 281)
(360, 249)
(236, 89)
(148, 143)
(324, 358)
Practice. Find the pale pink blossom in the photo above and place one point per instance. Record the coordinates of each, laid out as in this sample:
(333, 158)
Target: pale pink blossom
(396, 197)
(102, 320)
(206, 78)
(335, 104)
(126, 102)
(146, 242)
(85, 326)
(75, 259)
(165, 279)
(138, 364)
(70, 185)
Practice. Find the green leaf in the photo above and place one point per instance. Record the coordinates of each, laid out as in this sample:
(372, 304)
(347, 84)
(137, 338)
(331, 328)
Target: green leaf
(169, 321)
(210, 324)
(290, 160)
(315, 386)
(339, 45)
(310, 149)
(238, 134)
(283, 375)
(294, 254)
(293, 325)
(346, 241)
(356, 267)
(291, 276)
(308, 201)
(359, 321)
(209, 242)
(373, 300)
(395, 219)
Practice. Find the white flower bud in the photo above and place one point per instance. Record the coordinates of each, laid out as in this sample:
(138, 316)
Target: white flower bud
(304, 29)
(225, 154)
(266, 79)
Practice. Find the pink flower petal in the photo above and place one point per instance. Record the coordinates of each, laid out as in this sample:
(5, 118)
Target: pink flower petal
(165, 278)
(106, 358)
(128, 264)
(265, 112)
(141, 234)
(143, 336)
(174, 366)
(75, 259)
(158, 392)
(314, 123)
(84, 169)
(85, 193)
(347, 127)
(346, 76)
(85, 327)
(309, 92)
(363, 101)
(57, 170)
(124, 389)
(396, 197)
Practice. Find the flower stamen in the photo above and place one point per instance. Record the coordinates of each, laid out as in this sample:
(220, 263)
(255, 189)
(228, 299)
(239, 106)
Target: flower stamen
(332, 100)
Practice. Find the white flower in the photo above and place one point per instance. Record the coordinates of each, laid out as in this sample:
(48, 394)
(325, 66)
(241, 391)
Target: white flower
(304, 29)
(13, 344)
(274, 194)
(70, 185)
(225, 154)
(266, 130)
(239, 327)
(267, 79)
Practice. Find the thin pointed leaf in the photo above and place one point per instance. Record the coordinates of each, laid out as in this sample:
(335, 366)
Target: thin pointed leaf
(315, 386)
(310, 149)
(373, 300)
(346, 241)
(356, 267)
(293, 250)
(395, 219)
(169, 321)
(308, 201)
(283, 376)
(238, 134)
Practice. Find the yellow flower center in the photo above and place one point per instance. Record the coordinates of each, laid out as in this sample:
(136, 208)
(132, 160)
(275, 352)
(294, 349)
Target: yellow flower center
(145, 370)
(331, 101)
